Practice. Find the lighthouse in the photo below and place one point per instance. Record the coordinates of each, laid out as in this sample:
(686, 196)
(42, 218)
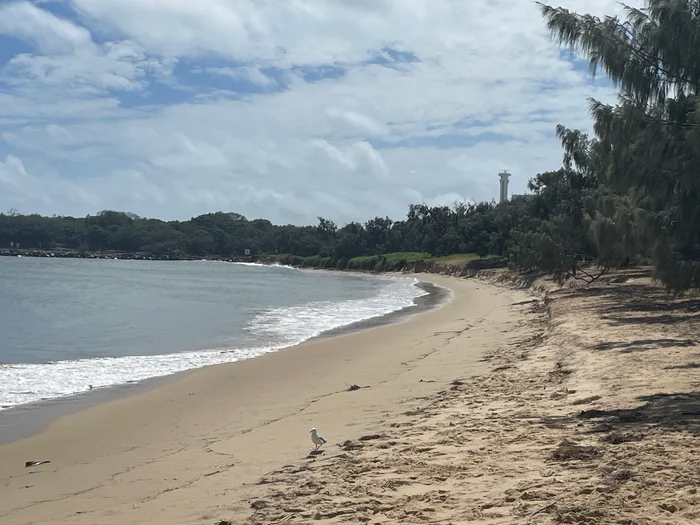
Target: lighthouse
(504, 176)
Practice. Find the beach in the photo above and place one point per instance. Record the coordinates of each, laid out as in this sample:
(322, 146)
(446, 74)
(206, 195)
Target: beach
(188, 451)
(588, 414)
(504, 405)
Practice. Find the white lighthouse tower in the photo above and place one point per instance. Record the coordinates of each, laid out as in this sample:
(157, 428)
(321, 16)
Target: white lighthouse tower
(504, 176)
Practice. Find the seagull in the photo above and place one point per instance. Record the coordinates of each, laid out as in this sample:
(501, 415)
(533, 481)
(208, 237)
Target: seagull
(316, 439)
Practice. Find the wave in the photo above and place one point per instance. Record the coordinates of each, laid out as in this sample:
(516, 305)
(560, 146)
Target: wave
(26, 383)
(296, 324)
(288, 326)
(263, 265)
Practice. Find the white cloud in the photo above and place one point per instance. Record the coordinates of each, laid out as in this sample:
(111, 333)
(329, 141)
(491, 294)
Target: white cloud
(361, 123)
(250, 74)
(12, 171)
(18, 188)
(485, 94)
(309, 32)
(69, 58)
(47, 32)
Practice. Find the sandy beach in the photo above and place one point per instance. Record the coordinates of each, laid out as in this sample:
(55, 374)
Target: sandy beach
(569, 405)
(589, 414)
(193, 450)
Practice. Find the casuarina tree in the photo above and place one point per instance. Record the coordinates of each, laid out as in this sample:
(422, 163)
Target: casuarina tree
(649, 142)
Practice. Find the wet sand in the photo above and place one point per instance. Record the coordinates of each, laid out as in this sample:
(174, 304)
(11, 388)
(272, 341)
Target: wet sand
(193, 450)
(24, 421)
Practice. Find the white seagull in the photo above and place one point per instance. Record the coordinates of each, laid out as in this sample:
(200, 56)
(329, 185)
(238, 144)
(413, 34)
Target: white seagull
(316, 439)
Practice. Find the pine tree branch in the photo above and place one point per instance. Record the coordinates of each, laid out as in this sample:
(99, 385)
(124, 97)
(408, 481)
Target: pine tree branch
(579, 30)
(653, 60)
(590, 279)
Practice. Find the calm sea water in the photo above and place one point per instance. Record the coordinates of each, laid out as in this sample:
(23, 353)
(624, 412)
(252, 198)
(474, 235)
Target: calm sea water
(68, 324)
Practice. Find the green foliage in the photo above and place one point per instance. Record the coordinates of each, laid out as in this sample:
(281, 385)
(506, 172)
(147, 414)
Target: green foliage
(378, 244)
(389, 262)
(647, 147)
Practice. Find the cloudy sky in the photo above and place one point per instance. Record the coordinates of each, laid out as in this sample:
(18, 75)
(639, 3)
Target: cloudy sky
(283, 109)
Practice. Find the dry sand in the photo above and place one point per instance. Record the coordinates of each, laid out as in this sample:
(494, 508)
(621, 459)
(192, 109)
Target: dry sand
(592, 419)
(572, 406)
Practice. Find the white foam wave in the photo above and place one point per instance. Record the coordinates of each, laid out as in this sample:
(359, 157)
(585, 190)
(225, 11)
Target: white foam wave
(298, 323)
(27, 383)
(262, 265)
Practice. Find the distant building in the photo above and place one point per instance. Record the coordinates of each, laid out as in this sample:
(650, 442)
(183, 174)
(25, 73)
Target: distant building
(527, 196)
(504, 176)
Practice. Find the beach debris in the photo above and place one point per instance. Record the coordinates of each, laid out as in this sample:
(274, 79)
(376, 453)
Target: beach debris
(568, 450)
(561, 394)
(28, 464)
(616, 437)
(354, 387)
(586, 400)
(370, 437)
(502, 368)
(349, 444)
(668, 507)
(317, 440)
(543, 509)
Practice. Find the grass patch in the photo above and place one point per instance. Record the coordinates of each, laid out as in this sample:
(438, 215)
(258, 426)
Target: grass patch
(389, 262)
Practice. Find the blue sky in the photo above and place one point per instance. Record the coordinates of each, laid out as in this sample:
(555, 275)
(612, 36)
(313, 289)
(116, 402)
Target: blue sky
(286, 110)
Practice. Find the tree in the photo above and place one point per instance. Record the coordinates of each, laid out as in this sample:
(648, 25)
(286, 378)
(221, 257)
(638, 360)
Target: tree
(378, 231)
(327, 232)
(649, 143)
(97, 238)
(351, 241)
(556, 240)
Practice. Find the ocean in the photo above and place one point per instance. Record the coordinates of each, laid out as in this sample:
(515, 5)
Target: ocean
(69, 326)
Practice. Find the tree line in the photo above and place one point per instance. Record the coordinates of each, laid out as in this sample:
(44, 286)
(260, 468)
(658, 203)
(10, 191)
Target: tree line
(436, 231)
(630, 194)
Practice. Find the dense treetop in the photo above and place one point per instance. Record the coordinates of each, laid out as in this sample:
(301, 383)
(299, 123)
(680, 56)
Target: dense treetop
(630, 194)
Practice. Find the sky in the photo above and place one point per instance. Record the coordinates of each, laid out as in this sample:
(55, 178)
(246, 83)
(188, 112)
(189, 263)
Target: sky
(287, 110)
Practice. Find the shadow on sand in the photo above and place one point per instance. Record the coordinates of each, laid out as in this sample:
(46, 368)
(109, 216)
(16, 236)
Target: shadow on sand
(642, 345)
(674, 412)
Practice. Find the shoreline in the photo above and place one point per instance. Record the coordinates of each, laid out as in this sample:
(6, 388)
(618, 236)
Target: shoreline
(591, 418)
(220, 428)
(569, 405)
(25, 420)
